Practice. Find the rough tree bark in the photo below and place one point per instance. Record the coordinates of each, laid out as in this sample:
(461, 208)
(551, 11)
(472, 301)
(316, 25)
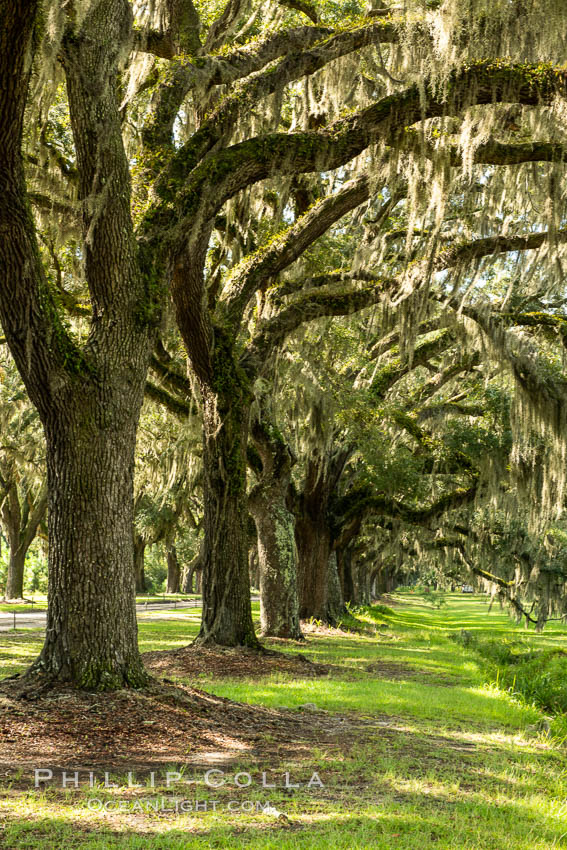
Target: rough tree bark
(275, 524)
(227, 612)
(91, 635)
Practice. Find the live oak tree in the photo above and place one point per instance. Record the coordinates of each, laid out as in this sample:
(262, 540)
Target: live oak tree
(21, 514)
(206, 118)
(350, 466)
(88, 394)
(449, 425)
(448, 363)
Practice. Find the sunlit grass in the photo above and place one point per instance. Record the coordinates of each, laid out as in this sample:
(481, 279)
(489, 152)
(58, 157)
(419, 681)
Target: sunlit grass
(436, 757)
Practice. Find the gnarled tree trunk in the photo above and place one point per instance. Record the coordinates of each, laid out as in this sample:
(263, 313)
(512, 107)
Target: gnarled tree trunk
(314, 535)
(91, 634)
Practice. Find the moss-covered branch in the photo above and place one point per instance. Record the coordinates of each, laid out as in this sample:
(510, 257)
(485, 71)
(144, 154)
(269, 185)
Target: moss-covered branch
(397, 367)
(199, 195)
(466, 252)
(179, 406)
(546, 388)
(286, 248)
(204, 71)
(311, 305)
(307, 8)
(366, 501)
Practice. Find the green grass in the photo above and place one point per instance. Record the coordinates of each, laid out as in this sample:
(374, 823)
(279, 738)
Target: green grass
(431, 753)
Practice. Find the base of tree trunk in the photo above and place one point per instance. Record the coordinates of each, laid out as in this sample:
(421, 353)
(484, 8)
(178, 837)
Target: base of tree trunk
(97, 677)
(250, 642)
(297, 636)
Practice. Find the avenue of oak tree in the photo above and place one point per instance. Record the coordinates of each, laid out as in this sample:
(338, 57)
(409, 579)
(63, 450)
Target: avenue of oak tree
(317, 251)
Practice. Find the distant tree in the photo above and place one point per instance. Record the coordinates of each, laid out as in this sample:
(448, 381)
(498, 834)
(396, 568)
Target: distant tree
(23, 491)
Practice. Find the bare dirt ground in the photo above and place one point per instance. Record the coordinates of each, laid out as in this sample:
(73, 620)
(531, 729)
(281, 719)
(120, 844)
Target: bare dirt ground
(229, 663)
(55, 727)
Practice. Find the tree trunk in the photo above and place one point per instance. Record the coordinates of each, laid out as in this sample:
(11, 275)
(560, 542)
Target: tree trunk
(335, 601)
(313, 531)
(253, 565)
(91, 635)
(193, 568)
(345, 559)
(363, 583)
(186, 584)
(139, 557)
(227, 610)
(384, 578)
(88, 395)
(313, 549)
(374, 583)
(15, 577)
(277, 559)
(173, 571)
(275, 526)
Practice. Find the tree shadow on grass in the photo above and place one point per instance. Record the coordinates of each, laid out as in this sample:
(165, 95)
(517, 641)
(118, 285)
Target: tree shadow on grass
(408, 822)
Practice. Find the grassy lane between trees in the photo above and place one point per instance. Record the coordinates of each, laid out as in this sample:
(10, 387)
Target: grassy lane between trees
(429, 721)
